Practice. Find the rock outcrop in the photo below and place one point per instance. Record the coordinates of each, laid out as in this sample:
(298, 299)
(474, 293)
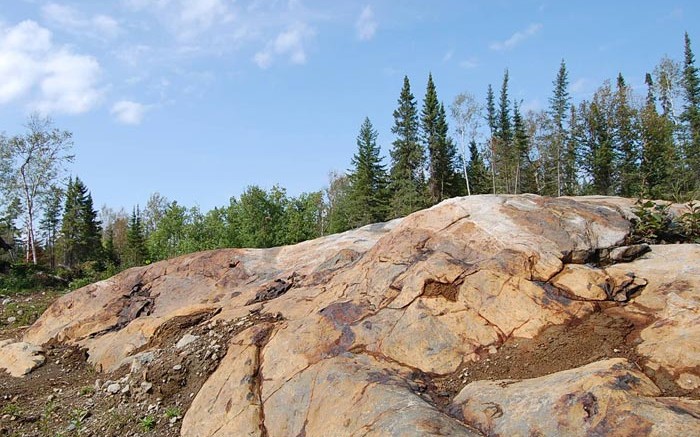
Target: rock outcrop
(358, 330)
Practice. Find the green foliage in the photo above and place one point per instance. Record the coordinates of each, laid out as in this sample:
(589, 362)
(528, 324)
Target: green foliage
(690, 223)
(407, 182)
(171, 412)
(368, 193)
(22, 277)
(654, 223)
(136, 253)
(80, 238)
(691, 115)
(148, 423)
(477, 171)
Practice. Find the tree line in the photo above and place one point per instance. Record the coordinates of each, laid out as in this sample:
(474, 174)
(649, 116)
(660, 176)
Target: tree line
(617, 142)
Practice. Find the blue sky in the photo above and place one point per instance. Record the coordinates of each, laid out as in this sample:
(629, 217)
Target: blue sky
(196, 99)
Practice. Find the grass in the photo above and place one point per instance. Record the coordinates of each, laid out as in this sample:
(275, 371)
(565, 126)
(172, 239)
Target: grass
(148, 423)
(87, 390)
(171, 412)
(11, 409)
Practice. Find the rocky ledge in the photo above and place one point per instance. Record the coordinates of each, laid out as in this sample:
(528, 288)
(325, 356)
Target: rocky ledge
(487, 315)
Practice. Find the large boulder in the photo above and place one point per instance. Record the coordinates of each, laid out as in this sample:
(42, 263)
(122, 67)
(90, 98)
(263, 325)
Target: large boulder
(359, 327)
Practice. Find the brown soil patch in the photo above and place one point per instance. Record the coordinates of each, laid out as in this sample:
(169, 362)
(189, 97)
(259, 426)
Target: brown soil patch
(604, 334)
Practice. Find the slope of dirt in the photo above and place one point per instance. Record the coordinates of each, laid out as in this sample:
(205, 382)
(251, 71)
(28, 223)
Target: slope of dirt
(67, 396)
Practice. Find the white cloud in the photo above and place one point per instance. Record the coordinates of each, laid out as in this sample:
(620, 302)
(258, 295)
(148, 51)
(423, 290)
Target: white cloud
(516, 38)
(289, 43)
(448, 56)
(49, 78)
(128, 112)
(72, 20)
(366, 24)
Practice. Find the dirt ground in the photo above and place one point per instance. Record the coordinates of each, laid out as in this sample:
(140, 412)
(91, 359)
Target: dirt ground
(66, 396)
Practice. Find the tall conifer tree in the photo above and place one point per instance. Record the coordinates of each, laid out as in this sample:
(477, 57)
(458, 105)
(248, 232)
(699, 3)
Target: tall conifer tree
(368, 180)
(691, 115)
(558, 110)
(407, 182)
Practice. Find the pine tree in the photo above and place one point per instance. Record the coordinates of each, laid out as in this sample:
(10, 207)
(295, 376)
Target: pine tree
(691, 115)
(478, 174)
(559, 106)
(136, 251)
(80, 229)
(368, 180)
(407, 182)
(626, 142)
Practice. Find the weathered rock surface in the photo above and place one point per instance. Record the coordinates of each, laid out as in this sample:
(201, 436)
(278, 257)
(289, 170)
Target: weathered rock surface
(362, 322)
(604, 398)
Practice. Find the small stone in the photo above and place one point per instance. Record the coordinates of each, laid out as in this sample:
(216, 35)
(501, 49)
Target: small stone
(6, 301)
(146, 387)
(20, 312)
(125, 389)
(11, 319)
(113, 388)
(173, 420)
(214, 357)
(50, 398)
(185, 340)
(493, 350)
(617, 351)
(177, 367)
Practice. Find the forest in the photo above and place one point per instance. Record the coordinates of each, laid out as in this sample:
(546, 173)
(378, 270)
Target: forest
(620, 141)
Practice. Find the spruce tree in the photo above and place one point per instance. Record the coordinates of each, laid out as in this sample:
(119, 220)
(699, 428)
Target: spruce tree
(368, 180)
(478, 174)
(491, 121)
(524, 174)
(597, 141)
(136, 253)
(407, 182)
(626, 142)
(51, 221)
(506, 154)
(442, 180)
(657, 154)
(80, 229)
(569, 159)
(558, 109)
(691, 115)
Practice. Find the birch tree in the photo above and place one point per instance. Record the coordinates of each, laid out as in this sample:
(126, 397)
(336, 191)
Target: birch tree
(30, 165)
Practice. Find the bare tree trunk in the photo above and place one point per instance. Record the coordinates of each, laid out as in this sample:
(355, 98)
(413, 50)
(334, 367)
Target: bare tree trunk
(31, 244)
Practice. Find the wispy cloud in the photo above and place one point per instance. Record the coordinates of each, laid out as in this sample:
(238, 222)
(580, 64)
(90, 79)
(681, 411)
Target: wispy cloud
(366, 24)
(72, 20)
(289, 43)
(447, 57)
(128, 112)
(579, 85)
(186, 19)
(516, 38)
(469, 63)
(49, 78)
